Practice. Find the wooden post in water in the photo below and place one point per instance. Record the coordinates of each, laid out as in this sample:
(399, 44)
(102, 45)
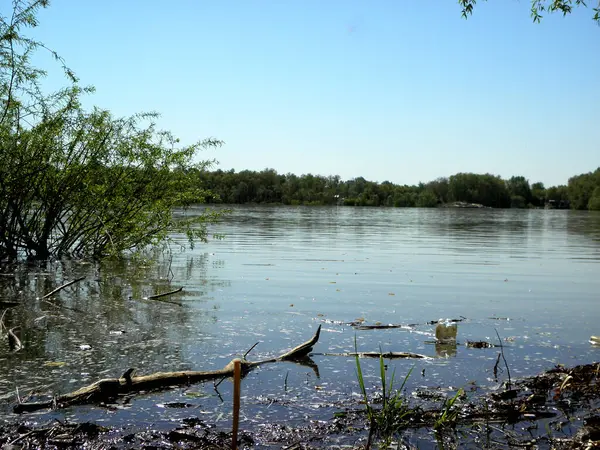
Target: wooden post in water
(237, 381)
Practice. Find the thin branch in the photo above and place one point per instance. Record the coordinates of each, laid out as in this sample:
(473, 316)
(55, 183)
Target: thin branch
(62, 287)
(251, 348)
(2, 326)
(504, 359)
(154, 297)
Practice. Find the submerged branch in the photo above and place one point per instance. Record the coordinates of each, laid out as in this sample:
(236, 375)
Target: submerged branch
(14, 343)
(61, 287)
(109, 389)
(387, 355)
(164, 294)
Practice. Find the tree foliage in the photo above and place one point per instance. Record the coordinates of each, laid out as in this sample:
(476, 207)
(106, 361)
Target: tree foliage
(82, 183)
(594, 203)
(540, 7)
(520, 191)
(538, 194)
(267, 186)
(486, 189)
(582, 189)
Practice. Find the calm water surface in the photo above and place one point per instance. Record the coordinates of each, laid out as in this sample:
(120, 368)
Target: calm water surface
(532, 276)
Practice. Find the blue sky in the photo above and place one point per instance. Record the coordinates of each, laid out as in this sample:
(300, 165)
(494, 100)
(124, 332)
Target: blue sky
(404, 91)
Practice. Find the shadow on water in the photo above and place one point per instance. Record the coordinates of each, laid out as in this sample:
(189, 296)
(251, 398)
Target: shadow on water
(585, 225)
(103, 324)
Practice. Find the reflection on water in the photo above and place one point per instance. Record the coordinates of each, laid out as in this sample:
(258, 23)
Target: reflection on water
(532, 276)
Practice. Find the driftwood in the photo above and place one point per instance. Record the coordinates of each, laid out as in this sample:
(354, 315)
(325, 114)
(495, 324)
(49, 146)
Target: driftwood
(109, 389)
(387, 355)
(382, 327)
(302, 350)
(359, 324)
(479, 344)
(60, 288)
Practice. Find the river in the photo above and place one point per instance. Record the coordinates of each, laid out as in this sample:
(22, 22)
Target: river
(532, 276)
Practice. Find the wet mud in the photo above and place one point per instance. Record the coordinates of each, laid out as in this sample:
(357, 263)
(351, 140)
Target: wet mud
(557, 409)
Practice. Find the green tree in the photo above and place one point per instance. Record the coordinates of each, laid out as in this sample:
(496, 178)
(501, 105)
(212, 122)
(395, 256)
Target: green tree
(538, 194)
(82, 183)
(486, 189)
(557, 193)
(581, 188)
(427, 199)
(520, 192)
(539, 7)
(594, 203)
(440, 188)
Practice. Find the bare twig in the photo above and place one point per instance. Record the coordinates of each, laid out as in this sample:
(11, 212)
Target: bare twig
(2, 326)
(64, 307)
(164, 294)
(496, 367)
(62, 287)
(170, 274)
(23, 436)
(216, 385)
(251, 348)
(504, 359)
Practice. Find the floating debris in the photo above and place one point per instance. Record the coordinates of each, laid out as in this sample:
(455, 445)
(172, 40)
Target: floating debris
(479, 344)
(446, 331)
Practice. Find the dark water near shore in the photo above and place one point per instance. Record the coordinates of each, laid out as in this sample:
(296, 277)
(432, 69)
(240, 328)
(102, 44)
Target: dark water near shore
(534, 276)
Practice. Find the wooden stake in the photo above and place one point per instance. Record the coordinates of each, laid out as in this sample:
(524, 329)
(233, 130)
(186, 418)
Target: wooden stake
(237, 381)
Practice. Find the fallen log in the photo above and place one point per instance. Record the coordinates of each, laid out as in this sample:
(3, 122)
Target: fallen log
(108, 389)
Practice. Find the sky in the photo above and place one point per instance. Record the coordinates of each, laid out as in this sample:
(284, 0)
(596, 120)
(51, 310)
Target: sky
(397, 90)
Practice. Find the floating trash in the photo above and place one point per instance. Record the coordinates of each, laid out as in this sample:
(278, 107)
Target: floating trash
(446, 331)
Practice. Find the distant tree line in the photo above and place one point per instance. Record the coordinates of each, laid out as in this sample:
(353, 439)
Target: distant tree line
(268, 186)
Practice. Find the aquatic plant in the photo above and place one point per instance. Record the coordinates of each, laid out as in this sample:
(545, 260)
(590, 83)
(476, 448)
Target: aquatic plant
(449, 412)
(384, 422)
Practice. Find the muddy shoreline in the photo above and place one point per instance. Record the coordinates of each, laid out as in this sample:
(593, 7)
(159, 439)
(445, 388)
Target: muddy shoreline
(559, 408)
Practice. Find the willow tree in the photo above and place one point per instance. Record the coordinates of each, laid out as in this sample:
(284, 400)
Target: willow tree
(80, 183)
(540, 7)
